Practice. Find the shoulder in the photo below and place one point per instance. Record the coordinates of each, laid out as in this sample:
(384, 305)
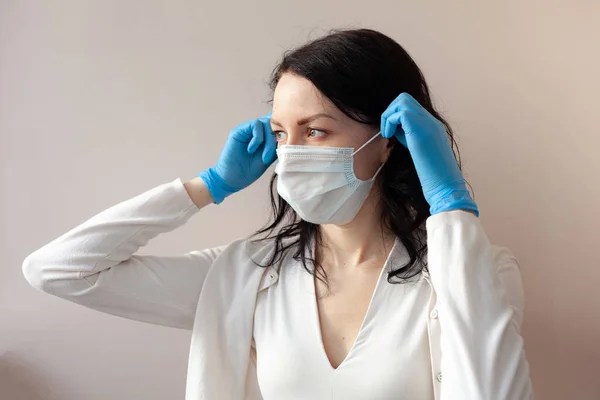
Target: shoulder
(243, 263)
(244, 251)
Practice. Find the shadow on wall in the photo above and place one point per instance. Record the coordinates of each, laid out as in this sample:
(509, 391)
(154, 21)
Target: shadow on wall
(19, 381)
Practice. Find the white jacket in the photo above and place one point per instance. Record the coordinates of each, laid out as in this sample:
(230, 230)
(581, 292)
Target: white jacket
(476, 292)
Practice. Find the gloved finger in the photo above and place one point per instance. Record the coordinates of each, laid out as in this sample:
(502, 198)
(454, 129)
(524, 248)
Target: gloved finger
(270, 149)
(400, 102)
(404, 101)
(413, 105)
(269, 153)
(408, 101)
(258, 136)
(395, 123)
(387, 130)
(242, 133)
(392, 108)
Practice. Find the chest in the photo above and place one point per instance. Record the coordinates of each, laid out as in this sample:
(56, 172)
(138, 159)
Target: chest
(309, 342)
(342, 306)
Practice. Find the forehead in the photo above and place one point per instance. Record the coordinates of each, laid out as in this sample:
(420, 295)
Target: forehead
(296, 94)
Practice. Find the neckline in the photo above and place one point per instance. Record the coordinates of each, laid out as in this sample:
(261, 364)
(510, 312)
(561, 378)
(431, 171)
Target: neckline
(316, 317)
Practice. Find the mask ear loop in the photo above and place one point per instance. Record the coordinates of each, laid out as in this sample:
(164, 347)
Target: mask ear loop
(363, 146)
(368, 141)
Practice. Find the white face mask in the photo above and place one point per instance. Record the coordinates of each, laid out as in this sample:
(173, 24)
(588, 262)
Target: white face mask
(319, 182)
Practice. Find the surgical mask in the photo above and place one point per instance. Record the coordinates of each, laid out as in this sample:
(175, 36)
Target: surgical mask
(319, 182)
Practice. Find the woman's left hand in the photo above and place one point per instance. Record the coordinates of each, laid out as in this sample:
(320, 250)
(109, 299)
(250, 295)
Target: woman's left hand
(426, 138)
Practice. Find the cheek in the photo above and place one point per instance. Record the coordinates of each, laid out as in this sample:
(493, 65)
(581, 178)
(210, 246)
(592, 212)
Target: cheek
(366, 164)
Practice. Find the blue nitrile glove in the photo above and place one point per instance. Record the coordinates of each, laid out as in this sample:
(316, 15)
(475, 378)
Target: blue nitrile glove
(426, 138)
(248, 152)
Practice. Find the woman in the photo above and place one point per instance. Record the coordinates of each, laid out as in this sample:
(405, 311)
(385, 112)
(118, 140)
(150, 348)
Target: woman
(375, 279)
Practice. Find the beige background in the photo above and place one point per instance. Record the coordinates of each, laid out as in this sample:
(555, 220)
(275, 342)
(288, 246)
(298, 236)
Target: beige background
(101, 100)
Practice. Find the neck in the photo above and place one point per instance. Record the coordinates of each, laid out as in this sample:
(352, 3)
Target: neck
(362, 242)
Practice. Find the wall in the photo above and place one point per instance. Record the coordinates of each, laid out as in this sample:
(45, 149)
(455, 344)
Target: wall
(101, 100)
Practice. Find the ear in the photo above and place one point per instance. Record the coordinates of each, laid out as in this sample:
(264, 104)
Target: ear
(388, 147)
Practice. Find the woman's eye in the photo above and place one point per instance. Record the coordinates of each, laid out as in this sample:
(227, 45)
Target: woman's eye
(280, 135)
(316, 133)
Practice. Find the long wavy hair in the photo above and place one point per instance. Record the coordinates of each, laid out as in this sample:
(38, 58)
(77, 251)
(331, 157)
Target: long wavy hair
(361, 71)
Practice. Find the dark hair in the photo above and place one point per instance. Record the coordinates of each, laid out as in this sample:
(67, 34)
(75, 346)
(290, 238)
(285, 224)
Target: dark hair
(361, 71)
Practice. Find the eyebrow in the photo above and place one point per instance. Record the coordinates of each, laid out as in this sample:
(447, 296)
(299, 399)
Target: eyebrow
(306, 120)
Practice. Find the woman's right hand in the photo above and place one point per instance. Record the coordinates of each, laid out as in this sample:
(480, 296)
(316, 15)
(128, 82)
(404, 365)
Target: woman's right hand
(250, 149)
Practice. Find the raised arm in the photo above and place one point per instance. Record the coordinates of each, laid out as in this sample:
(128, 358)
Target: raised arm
(95, 264)
(479, 292)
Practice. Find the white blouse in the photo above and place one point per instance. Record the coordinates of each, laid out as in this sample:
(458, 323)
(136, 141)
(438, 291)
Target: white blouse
(475, 304)
(390, 358)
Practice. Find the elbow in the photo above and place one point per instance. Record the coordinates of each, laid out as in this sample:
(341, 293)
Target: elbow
(46, 274)
(34, 272)
(54, 273)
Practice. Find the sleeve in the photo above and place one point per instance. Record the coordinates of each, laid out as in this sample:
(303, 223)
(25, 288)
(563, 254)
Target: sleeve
(480, 309)
(95, 264)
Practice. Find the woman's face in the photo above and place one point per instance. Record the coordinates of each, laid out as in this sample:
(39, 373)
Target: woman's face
(303, 116)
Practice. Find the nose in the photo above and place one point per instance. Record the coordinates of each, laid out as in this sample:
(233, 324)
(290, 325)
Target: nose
(295, 137)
